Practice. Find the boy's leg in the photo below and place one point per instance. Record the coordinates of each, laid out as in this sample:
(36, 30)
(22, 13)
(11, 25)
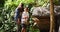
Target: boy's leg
(18, 28)
(18, 25)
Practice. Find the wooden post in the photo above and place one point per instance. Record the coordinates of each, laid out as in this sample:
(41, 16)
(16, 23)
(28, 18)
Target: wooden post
(52, 16)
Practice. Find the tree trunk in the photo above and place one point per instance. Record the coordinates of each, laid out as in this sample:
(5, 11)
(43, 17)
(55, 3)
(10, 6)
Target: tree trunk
(52, 16)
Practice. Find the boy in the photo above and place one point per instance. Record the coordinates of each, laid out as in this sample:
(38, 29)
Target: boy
(17, 16)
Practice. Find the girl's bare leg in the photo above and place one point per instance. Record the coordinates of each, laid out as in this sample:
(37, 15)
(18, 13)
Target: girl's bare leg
(23, 30)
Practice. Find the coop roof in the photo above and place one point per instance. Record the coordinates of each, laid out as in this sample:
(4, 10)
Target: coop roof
(43, 11)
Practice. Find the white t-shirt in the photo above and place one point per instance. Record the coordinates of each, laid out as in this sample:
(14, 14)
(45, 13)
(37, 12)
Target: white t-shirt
(24, 14)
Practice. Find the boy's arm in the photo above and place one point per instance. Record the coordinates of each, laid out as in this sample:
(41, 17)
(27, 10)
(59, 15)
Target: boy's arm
(15, 14)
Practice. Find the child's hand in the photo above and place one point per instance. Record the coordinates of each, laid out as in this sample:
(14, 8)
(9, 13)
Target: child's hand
(25, 17)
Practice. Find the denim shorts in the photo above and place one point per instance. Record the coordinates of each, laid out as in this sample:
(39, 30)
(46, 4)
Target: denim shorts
(23, 25)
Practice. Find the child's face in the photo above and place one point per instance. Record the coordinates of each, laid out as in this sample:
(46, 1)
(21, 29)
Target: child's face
(26, 9)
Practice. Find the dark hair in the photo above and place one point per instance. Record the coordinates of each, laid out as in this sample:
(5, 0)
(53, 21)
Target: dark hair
(22, 4)
(21, 7)
(26, 8)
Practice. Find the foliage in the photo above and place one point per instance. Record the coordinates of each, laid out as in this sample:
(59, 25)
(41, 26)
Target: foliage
(57, 2)
(2, 3)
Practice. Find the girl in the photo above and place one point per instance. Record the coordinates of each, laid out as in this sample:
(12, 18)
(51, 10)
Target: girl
(24, 19)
